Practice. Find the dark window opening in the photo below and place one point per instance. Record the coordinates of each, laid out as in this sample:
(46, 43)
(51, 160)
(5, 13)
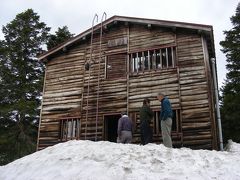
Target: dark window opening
(175, 121)
(169, 54)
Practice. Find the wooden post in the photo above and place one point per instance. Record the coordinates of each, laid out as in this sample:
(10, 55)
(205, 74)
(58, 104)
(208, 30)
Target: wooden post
(137, 62)
(128, 68)
(143, 61)
(167, 56)
(157, 121)
(154, 59)
(210, 93)
(173, 64)
(131, 68)
(160, 54)
(40, 119)
(149, 67)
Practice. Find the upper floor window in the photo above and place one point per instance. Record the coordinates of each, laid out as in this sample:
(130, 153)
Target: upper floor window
(162, 58)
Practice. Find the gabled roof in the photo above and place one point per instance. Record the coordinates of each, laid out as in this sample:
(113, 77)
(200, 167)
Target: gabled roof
(133, 20)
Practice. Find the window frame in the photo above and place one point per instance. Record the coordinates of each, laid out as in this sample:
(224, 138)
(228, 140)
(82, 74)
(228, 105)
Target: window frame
(152, 59)
(124, 76)
(155, 122)
(75, 128)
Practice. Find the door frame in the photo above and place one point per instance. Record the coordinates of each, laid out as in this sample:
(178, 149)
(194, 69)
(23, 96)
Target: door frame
(105, 125)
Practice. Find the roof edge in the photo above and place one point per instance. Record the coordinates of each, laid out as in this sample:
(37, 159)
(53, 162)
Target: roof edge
(163, 23)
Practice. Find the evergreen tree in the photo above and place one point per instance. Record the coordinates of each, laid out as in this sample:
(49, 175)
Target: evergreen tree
(230, 108)
(61, 35)
(20, 84)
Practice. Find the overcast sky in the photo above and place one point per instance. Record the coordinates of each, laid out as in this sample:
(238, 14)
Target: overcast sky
(78, 14)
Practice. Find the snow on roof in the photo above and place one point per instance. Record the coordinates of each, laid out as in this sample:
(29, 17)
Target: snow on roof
(110, 161)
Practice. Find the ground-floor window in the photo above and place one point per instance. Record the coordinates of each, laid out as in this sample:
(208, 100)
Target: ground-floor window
(175, 121)
(155, 123)
(69, 128)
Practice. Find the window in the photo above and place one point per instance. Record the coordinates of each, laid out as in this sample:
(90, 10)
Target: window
(69, 129)
(175, 121)
(156, 124)
(153, 59)
(116, 66)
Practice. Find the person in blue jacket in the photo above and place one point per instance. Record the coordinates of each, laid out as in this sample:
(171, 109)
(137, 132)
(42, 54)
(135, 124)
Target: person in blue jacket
(166, 119)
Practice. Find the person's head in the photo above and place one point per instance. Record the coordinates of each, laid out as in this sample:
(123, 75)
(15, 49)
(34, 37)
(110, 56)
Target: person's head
(146, 101)
(160, 96)
(123, 113)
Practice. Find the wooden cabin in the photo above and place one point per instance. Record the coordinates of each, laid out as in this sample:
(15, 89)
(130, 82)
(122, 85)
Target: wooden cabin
(111, 67)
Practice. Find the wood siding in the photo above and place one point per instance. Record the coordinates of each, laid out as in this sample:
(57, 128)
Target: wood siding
(71, 91)
(195, 100)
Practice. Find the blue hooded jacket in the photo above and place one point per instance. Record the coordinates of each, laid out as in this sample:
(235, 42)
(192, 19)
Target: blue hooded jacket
(166, 111)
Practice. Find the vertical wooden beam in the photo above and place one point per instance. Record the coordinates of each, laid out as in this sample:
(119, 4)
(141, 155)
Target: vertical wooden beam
(105, 75)
(40, 119)
(180, 103)
(104, 128)
(136, 63)
(127, 84)
(173, 64)
(160, 54)
(143, 61)
(82, 98)
(77, 125)
(176, 54)
(73, 130)
(157, 122)
(155, 59)
(131, 68)
(128, 71)
(210, 93)
(149, 67)
(179, 89)
(137, 59)
(61, 130)
(66, 122)
(177, 120)
(167, 56)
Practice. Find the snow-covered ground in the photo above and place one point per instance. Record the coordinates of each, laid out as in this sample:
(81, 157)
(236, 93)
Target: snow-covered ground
(110, 161)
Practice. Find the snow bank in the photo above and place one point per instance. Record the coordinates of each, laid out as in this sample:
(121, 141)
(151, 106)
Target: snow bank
(109, 161)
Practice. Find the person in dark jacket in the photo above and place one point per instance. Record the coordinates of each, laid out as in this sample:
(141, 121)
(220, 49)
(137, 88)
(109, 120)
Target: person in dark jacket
(125, 128)
(166, 119)
(146, 115)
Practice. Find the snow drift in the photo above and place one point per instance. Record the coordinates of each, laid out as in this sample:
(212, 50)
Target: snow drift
(110, 161)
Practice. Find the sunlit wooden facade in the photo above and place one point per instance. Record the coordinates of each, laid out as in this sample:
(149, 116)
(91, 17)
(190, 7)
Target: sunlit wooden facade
(87, 85)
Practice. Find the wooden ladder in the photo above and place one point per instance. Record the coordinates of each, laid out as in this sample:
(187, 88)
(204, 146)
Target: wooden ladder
(104, 17)
(95, 18)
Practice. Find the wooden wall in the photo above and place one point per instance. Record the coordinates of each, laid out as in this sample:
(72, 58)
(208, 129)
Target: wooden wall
(67, 82)
(195, 93)
(62, 94)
